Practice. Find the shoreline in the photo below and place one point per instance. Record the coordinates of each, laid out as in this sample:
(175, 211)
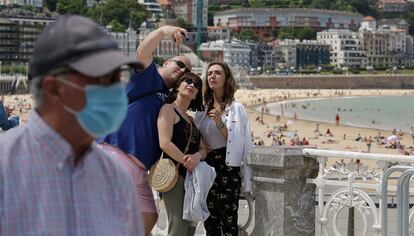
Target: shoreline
(305, 128)
(255, 108)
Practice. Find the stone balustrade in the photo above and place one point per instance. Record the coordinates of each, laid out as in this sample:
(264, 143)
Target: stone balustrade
(284, 201)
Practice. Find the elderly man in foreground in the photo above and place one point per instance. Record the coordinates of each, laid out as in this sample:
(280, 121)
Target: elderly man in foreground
(54, 180)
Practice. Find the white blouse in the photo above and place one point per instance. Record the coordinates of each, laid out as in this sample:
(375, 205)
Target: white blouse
(211, 134)
(239, 139)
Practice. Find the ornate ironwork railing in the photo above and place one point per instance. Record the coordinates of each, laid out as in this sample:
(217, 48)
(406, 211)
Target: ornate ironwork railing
(360, 187)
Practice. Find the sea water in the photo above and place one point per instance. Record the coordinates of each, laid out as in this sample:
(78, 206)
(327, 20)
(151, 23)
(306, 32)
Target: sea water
(378, 112)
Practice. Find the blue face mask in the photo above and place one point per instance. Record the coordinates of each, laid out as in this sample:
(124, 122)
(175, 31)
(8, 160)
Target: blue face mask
(105, 110)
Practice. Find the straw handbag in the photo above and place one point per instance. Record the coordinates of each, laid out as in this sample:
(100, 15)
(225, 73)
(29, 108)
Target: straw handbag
(163, 174)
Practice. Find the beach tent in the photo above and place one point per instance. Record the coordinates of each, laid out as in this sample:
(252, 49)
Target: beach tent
(392, 138)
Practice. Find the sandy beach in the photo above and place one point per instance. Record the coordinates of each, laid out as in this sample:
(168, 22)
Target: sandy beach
(22, 105)
(305, 129)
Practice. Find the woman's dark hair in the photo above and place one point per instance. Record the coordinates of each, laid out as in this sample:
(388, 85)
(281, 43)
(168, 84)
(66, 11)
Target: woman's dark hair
(230, 87)
(197, 103)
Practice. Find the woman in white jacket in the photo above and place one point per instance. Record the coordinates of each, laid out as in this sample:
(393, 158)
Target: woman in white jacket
(225, 128)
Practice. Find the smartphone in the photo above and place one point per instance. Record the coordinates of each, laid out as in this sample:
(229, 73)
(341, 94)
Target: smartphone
(191, 37)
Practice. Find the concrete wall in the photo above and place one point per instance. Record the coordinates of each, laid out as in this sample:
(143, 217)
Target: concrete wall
(335, 82)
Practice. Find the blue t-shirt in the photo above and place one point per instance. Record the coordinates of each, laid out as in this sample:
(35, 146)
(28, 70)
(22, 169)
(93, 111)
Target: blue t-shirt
(138, 134)
(7, 122)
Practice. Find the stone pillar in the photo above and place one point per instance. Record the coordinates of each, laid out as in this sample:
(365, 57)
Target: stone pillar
(284, 202)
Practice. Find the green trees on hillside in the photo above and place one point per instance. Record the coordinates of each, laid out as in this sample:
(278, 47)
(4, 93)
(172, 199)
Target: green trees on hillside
(295, 33)
(409, 17)
(71, 6)
(116, 26)
(120, 10)
(50, 4)
(246, 34)
(113, 12)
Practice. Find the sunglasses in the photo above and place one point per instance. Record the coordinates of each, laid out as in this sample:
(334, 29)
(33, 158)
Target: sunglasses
(197, 85)
(181, 65)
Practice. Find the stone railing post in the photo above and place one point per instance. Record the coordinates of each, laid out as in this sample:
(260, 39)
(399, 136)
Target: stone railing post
(284, 202)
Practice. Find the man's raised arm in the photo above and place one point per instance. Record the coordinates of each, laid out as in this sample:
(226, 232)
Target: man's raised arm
(147, 47)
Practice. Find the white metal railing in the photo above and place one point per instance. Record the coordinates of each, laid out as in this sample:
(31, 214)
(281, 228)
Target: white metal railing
(352, 193)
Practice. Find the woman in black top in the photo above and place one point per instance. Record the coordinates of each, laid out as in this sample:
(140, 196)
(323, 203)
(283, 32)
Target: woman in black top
(175, 129)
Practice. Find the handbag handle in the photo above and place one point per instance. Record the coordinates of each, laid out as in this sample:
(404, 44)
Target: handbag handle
(188, 142)
(189, 138)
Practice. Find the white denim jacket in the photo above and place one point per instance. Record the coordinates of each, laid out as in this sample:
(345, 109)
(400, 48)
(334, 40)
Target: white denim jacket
(239, 140)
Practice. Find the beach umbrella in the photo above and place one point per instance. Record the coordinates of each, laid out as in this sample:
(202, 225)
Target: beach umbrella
(392, 138)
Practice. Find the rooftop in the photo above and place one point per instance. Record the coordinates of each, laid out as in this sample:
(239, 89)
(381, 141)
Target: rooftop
(395, 21)
(286, 10)
(368, 18)
(165, 2)
(394, 2)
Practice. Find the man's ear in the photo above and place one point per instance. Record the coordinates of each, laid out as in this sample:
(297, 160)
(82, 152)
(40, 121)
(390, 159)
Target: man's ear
(51, 89)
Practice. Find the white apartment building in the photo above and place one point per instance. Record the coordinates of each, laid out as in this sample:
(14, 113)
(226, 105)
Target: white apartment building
(393, 5)
(127, 41)
(234, 53)
(346, 47)
(35, 3)
(152, 5)
(386, 46)
(218, 32)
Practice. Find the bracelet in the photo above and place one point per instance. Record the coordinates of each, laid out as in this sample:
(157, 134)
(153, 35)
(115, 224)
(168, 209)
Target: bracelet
(221, 125)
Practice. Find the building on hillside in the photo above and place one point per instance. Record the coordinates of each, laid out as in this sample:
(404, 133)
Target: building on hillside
(182, 9)
(225, 2)
(386, 46)
(152, 6)
(187, 10)
(267, 56)
(396, 23)
(262, 55)
(254, 53)
(368, 23)
(263, 21)
(395, 6)
(35, 3)
(127, 41)
(234, 52)
(300, 55)
(166, 49)
(203, 14)
(212, 51)
(218, 32)
(17, 37)
(346, 47)
(166, 9)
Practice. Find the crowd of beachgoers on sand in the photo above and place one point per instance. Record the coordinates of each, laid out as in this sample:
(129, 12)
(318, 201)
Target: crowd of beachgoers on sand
(275, 130)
